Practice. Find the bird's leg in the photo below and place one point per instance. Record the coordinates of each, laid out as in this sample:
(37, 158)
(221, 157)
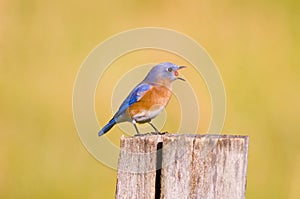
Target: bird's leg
(156, 131)
(134, 124)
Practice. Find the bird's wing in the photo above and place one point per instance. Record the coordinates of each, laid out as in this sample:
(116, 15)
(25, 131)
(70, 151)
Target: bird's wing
(136, 94)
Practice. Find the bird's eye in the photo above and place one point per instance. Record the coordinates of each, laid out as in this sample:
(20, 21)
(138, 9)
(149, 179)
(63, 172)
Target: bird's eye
(170, 69)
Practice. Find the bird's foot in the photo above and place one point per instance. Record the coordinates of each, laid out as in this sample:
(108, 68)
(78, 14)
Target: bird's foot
(157, 133)
(152, 133)
(143, 134)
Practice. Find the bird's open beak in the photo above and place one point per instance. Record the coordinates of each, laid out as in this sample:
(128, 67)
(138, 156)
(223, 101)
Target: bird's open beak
(181, 67)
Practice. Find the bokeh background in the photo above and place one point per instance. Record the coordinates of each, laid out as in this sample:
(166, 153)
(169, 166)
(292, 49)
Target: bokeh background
(255, 44)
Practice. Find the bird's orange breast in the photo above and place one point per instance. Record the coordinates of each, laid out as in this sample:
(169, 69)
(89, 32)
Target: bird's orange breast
(158, 96)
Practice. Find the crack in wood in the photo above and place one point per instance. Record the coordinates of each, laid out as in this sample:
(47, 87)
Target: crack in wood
(158, 170)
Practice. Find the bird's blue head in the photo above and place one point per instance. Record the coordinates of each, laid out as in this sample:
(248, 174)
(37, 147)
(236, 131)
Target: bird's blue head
(165, 72)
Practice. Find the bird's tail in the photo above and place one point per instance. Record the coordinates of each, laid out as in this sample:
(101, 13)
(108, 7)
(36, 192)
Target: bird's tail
(107, 127)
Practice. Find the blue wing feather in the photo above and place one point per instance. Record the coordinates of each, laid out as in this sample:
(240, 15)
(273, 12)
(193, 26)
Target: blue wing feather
(136, 94)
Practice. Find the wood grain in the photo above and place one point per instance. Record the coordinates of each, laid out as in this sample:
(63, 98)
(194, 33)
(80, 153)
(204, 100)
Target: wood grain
(193, 166)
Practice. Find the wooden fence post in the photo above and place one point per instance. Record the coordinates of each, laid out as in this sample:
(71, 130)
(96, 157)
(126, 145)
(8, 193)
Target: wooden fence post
(182, 166)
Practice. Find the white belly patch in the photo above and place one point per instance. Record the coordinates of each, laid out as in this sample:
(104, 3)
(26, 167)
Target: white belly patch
(148, 115)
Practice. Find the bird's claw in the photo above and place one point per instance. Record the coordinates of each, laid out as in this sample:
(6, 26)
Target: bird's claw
(152, 133)
(141, 134)
(157, 133)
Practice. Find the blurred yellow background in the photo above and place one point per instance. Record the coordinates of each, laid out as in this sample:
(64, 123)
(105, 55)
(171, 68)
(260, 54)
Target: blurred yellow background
(255, 44)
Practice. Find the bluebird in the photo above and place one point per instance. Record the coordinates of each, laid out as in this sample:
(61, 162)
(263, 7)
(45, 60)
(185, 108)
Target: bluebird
(148, 98)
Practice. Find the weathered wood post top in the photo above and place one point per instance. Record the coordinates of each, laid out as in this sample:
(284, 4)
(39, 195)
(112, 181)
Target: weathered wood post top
(182, 166)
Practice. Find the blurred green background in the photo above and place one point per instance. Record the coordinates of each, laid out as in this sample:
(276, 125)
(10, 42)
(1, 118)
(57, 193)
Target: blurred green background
(256, 45)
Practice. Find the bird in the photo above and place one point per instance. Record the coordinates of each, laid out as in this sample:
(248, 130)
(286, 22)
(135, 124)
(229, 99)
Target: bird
(148, 98)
